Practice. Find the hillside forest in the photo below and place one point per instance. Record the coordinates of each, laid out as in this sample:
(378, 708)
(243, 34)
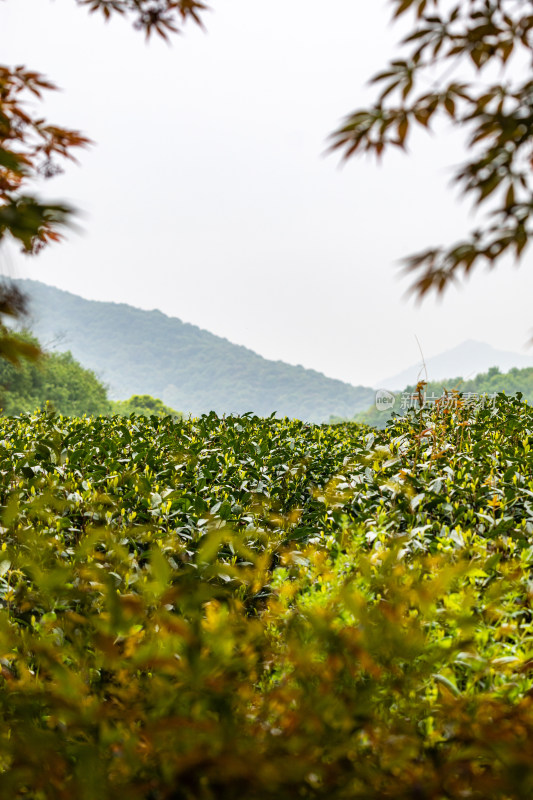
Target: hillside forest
(61, 383)
(188, 368)
(57, 382)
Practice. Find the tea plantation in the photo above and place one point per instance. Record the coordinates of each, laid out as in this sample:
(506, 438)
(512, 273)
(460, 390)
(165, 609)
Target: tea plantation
(226, 608)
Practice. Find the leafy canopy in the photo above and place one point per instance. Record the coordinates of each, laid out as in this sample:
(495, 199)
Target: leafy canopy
(454, 51)
(152, 16)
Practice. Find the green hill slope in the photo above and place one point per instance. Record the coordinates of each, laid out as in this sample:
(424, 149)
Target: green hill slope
(190, 369)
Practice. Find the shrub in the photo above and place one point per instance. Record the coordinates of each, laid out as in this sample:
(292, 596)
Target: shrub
(241, 607)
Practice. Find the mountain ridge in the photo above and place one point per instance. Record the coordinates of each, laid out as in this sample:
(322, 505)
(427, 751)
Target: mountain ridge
(147, 352)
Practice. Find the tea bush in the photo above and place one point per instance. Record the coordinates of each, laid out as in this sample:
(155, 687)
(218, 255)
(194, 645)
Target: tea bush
(259, 608)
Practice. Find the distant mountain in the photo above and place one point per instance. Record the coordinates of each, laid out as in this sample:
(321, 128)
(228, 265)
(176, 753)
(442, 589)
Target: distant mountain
(190, 369)
(467, 359)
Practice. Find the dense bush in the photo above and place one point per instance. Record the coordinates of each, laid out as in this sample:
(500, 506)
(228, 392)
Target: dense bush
(256, 608)
(142, 405)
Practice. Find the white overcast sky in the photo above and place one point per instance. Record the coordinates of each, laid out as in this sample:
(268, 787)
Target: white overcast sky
(207, 194)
